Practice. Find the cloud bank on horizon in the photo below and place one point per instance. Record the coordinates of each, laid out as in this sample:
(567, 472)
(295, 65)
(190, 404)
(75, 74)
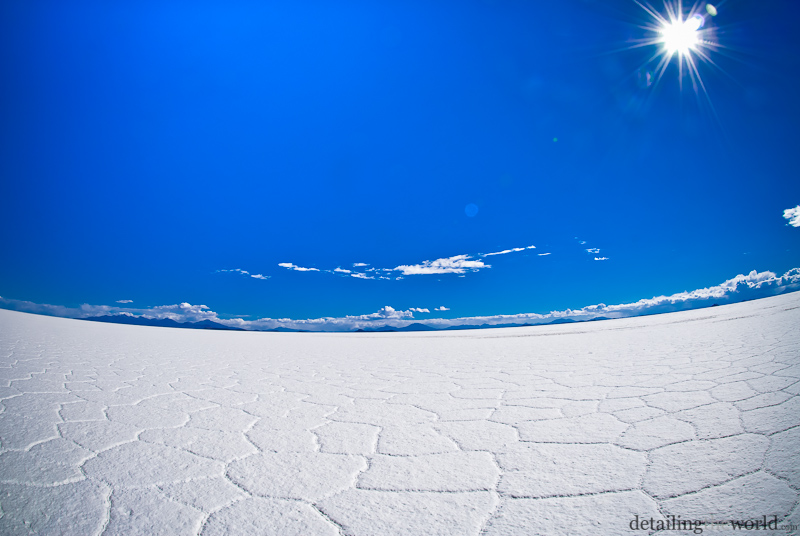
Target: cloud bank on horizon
(740, 288)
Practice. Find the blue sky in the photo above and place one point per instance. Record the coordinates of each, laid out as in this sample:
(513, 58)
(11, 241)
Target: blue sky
(157, 151)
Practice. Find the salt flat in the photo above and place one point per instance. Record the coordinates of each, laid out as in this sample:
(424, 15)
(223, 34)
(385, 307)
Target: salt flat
(568, 429)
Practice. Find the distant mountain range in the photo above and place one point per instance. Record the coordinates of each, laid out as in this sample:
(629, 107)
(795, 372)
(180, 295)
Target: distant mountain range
(417, 326)
(423, 327)
(160, 322)
(209, 324)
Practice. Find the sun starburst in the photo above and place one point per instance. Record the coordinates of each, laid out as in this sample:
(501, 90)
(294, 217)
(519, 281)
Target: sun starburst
(680, 35)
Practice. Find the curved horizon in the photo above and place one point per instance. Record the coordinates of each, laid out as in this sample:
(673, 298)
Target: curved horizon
(752, 286)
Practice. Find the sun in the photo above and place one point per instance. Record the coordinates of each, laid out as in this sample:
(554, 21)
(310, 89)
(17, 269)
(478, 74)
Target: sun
(679, 35)
(682, 36)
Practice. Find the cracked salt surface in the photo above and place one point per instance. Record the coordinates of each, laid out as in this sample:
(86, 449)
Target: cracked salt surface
(567, 429)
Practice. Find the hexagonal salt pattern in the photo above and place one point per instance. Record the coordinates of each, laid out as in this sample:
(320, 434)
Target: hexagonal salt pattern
(571, 429)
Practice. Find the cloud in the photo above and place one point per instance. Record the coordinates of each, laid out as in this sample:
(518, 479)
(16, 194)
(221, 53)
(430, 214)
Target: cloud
(450, 265)
(236, 270)
(543, 254)
(793, 215)
(506, 251)
(182, 312)
(742, 287)
(593, 250)
(601, 258)
(458, 264)
(53, 310)
(388, 312)
(124, 301)
(296, 268)
(242, 272)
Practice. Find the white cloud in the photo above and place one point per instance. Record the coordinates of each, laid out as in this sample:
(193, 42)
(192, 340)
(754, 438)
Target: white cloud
(793, 215)
(242, 272)
(544, 254)
(182, 312)
(442, 308)
(593, 250)
(124, 301)
(601, 258)
(342, 270)
(236, 270)
(450, 265)
(390, 312)
(506, 251)
(361, 276)
(418, 310)
(358, 264)
(296, 268)
(582, 242)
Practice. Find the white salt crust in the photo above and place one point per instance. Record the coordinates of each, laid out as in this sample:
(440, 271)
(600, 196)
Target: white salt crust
(567, 429)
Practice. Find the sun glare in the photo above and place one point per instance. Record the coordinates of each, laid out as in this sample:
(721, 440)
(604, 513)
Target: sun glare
(681, 36)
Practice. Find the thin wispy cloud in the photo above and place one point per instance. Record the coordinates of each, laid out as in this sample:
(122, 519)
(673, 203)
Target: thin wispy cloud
(457, 264)
(235, 270)
(793, 215)
(359, 264)
(244, 272)
(124, 301)
(442, 308)
(296, 268)
(342, 271)
(507, 251)
(361, 276)
(544, 254)
(419, 310)
(592, 251)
